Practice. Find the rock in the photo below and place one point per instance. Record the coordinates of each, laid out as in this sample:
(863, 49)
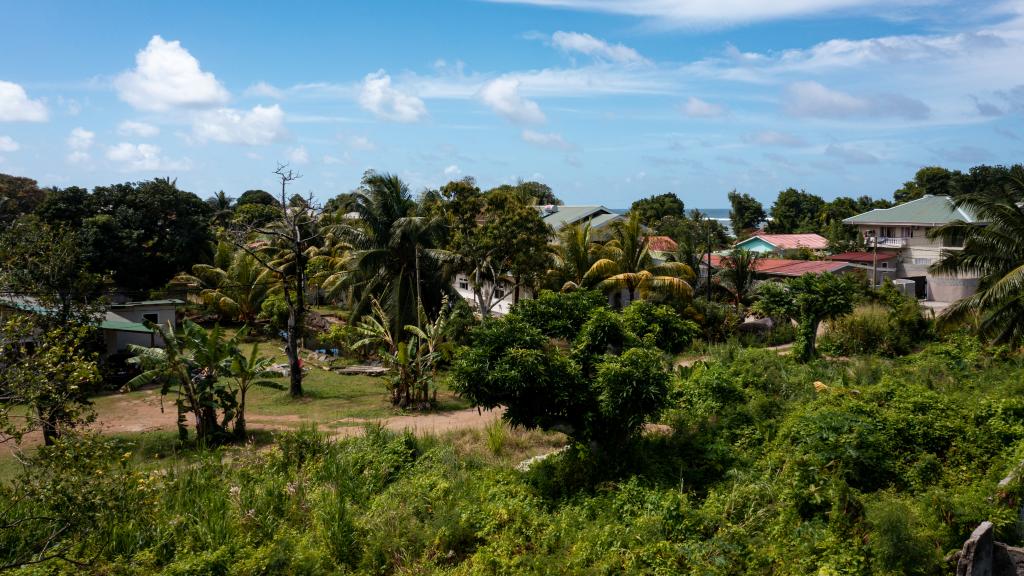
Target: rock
(976, 557)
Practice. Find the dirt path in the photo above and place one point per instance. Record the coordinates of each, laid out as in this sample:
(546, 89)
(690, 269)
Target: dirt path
(686, 363)
(143, 414)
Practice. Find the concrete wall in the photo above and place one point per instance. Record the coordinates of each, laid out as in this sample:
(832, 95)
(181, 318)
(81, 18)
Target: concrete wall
(464, 288)
(164, 314)
(117, 341)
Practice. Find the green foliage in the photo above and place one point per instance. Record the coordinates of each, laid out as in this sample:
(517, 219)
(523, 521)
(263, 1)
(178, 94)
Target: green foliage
(655, 207)
(891, 328)
(274, 311)
(255, 215)
(717, 321)
(559, 315)
(809, 299)
(795, 211)
(667, 327)
(746, 213)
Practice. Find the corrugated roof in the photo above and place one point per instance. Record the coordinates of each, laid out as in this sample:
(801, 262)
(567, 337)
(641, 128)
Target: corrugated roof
(787, 267)
(791, 241)
(661, 244)
(861, 257)
(927, 210)
(563, 216)
(166, 302)
(124, 326)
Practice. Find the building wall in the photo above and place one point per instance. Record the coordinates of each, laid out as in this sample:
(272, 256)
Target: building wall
(504, 305)
(117, 340)
(919, 253)
(756, 245)
(163, 313)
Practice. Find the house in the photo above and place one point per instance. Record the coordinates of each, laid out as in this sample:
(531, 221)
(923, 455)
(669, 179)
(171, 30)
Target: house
(785, 268)
(780, 243)
(900, 236)
(122, 325)
(559, 217)
(125, 323)
(659, 246)
(503, 293)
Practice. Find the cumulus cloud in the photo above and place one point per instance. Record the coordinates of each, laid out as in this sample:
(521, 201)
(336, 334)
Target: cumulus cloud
(298, 155)
(549, 139)
(79, 142)
(7, 144)
(384, 101)
(144, 158)
(697, 108)
(452, 170)
(16, 106)
(810, 99)
(773, 138)
(167, 75)
(141, 129)
(502, 96)
(587, 44)
(259, 126)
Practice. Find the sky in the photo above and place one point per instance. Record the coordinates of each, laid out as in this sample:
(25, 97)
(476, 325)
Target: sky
(606, 101)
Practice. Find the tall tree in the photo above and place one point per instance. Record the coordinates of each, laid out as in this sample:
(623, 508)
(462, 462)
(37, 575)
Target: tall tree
(929, 180)
(995, 252)
(18, 195)
(235, 293)
(739, 269)
(795, 211)
(223, 207)
(810, 299)
(258, 197)
(655, 207)
(746, 213)
(284, 255)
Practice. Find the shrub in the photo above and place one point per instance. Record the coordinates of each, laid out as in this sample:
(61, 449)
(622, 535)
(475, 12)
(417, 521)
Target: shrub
(559, 314)
(669, 330)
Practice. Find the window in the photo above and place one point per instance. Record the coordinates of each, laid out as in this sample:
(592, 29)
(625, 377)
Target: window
(151, 317)
(463, 285)
(883, 265)
(499, 293)
(923, 261)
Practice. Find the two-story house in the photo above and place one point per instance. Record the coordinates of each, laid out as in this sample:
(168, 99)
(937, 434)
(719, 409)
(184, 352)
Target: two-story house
(900, 236)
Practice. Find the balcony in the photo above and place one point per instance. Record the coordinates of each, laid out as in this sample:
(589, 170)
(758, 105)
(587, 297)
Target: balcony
(886, 242)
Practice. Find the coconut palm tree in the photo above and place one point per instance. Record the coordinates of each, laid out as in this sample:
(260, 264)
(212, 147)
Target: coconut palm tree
(630, 267)
(995, 253)
(394, 260)
(738, 274)
(237, 292)
(575, 254)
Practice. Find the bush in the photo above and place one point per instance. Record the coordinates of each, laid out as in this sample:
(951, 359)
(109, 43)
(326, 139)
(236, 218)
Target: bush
(274, 311)
(669, 330)
(559, 314)
(718, 322)
(892, 327)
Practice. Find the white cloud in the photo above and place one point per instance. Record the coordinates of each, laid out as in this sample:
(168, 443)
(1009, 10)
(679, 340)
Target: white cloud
(851, 154)
(452, 170)
(587, 44)
(167, 75)
(666, 13)
(261, 125)
(144, 158)
(79, 142)
(298, 155)
(7, 144)
(502, 96)
(774, 138)
(379, 97)
(16, 106)
(141, 129)
(264, 90)
(361, 143)
(549, 139)
(813, 100)
(697, 108)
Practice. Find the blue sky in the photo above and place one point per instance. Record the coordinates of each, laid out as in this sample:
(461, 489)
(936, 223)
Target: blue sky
(605, 100)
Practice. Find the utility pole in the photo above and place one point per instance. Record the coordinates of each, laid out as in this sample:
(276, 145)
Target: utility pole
(707, 223)
(874, 261)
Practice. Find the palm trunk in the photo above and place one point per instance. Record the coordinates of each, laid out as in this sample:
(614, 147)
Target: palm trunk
(240, 418)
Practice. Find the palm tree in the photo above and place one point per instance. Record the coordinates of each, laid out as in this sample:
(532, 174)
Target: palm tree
(191, 364)
(394, 260)
(995, 253)
(575, 254)
(249, 371)
(630, 267)
(237, 292)
(223, 207)
(738, 274)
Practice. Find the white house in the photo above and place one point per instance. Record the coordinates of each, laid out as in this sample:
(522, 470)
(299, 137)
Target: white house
(125, 323)
(901, 236)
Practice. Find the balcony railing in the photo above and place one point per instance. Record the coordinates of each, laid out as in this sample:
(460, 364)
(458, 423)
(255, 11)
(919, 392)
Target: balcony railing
(885, 242)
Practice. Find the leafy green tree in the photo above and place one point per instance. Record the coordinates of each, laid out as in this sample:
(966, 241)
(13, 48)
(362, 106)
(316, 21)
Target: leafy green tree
(933, 180)
(559, 314)
(223, 207)
(257, 197)
(193, 365)
(810, 299)
(18, 195)
(631, 268)
(737, 275)
(746, 213)
(255, 215)
(47, 373)
(795, 211)
(655, 207)
(994, 252)
(530, 193)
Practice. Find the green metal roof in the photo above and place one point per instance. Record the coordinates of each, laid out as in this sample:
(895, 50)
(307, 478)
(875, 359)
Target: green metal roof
(928, 210)
(167, 302)
(566, 215)
(125, 326)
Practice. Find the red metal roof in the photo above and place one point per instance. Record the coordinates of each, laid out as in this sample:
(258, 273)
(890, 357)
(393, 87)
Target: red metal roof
(661, 244)
(792, 241)
(786, 267)
(862, 257)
